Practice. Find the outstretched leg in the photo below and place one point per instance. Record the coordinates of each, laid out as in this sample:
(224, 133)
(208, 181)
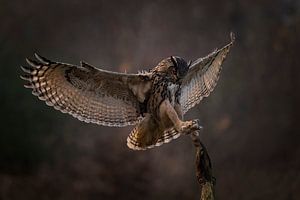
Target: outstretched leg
(167, 110)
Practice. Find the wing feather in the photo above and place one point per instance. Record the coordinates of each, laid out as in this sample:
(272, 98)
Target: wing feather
(202, 77)
(87, 93)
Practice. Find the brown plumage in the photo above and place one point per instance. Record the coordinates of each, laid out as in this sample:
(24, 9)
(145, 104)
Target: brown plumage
(154, 101)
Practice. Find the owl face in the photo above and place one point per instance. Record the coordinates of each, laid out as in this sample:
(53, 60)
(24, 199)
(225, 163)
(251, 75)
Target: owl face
(180, 65)
(173, 66)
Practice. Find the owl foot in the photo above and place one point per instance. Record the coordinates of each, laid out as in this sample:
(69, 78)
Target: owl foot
(189, 126)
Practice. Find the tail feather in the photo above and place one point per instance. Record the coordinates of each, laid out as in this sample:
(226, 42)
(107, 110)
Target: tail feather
(148, 134)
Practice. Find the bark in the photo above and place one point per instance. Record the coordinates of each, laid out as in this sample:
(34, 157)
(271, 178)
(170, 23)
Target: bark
(203, 169)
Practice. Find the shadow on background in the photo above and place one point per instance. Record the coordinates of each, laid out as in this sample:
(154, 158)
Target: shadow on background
(250, 119)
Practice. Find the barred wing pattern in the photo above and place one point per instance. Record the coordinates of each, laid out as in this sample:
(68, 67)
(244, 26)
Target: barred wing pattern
(166, 137)
(87, 93)
(202, 77)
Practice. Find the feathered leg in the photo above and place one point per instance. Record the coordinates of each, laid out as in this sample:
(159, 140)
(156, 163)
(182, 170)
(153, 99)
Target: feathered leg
(184, 127)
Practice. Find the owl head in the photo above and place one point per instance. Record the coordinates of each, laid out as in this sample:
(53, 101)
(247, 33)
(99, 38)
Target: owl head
(173, 66)
(181, 66)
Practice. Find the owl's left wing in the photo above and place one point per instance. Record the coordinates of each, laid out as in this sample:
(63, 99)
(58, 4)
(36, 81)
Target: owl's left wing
(202, 77)
(87, 93)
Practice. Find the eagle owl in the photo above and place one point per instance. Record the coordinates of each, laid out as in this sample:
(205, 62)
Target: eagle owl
(155, 101)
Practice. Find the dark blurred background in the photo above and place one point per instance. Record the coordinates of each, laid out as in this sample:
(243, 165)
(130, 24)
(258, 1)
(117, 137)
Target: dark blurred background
(250, 121)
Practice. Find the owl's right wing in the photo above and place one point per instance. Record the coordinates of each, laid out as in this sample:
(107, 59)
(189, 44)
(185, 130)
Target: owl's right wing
(202, 77)
(87, 93)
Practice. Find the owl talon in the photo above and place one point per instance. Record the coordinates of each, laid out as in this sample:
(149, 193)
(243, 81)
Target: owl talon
(190, 126)
(196, 124)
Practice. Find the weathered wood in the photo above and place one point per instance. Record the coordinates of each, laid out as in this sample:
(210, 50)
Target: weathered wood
(203, 169)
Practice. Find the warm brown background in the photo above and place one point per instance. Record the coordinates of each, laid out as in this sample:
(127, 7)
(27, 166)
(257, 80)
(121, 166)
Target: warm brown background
(251, 120)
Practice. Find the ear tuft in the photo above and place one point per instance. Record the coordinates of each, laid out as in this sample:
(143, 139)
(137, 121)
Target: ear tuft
(174, 61)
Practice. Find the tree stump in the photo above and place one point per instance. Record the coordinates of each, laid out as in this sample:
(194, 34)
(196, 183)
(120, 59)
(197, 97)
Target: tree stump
(203, 169)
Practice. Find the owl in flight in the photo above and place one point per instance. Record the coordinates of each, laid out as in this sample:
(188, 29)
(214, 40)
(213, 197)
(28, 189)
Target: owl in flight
(154, 101)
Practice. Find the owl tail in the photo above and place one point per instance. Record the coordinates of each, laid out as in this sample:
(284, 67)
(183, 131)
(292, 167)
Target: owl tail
(149, 134)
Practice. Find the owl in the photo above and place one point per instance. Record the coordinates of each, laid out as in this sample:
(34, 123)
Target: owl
(154, 101)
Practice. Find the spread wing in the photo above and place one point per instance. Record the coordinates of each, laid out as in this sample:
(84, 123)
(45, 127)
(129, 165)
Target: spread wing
(202, 77)
(87, 93)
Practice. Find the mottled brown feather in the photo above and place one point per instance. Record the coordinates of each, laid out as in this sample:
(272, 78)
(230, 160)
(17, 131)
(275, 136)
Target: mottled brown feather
(148, 134)
(202, 77)
(87, 93)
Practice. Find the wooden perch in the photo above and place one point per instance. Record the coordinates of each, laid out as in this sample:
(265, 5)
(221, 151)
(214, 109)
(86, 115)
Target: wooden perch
(203, 169)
